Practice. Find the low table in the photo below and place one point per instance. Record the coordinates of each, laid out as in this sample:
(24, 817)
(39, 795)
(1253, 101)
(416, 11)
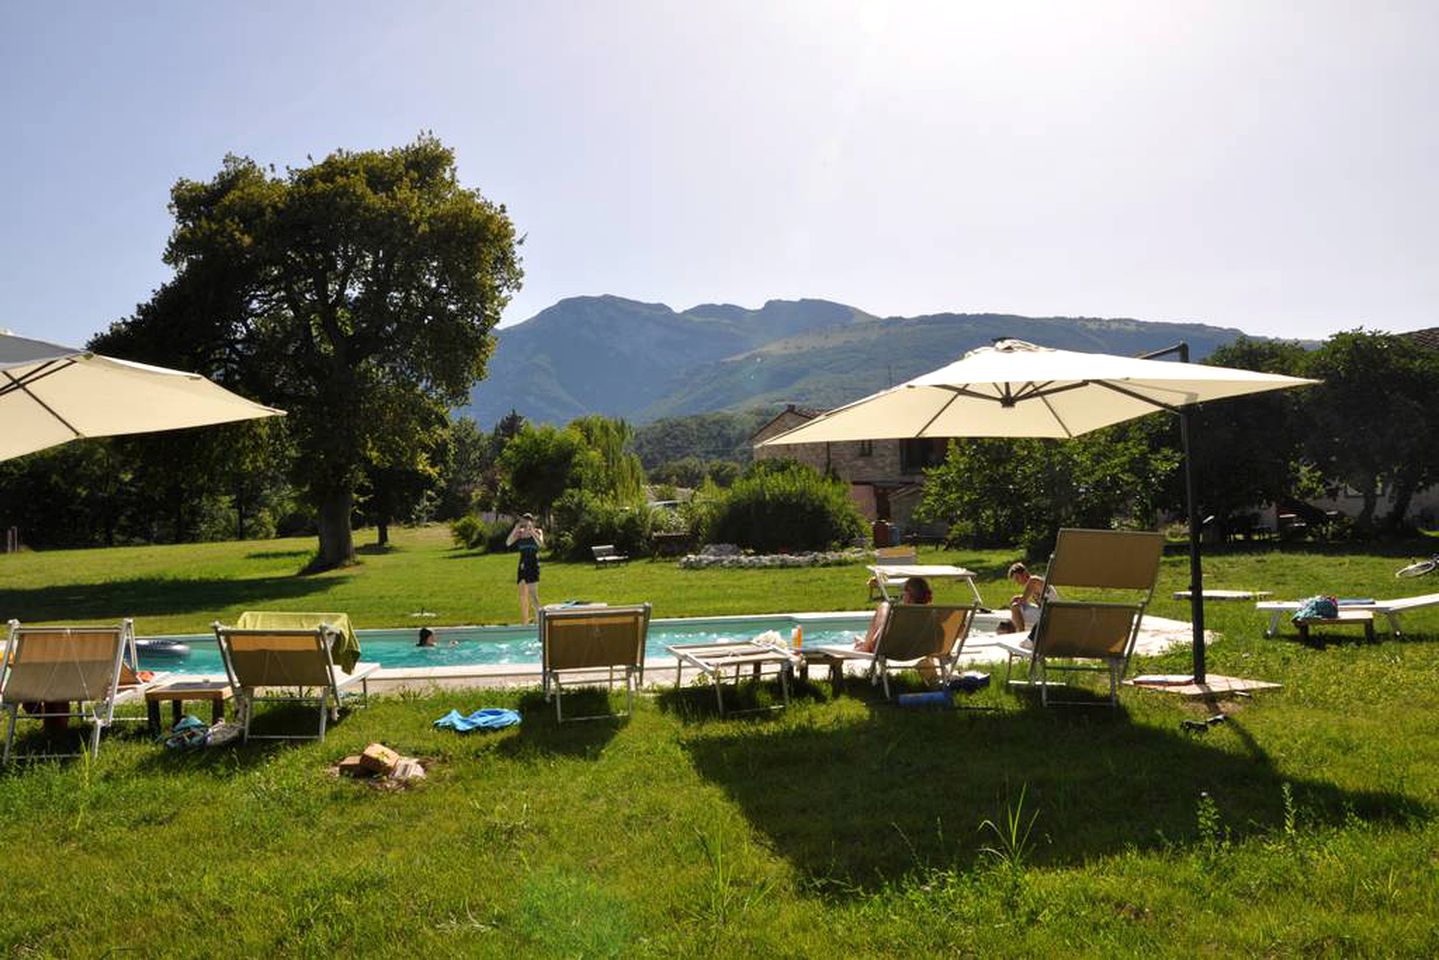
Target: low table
(712, 659)
(1345, 618)
(216, 691)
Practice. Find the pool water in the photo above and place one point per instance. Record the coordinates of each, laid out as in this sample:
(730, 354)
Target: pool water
(476, 646)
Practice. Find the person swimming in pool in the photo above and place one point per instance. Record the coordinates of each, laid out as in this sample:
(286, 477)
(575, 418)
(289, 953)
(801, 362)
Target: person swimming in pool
(528, 538)
(427, 637)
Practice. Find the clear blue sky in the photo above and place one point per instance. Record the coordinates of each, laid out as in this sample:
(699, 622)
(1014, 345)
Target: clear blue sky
(1263, 165)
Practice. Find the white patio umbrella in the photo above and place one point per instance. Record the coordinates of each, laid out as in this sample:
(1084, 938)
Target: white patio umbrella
(1017, 389)
(51, 394)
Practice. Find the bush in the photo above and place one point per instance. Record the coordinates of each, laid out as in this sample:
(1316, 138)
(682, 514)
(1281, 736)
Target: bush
(583, 519)
(473, 533)
(783, 509)
(468, 531)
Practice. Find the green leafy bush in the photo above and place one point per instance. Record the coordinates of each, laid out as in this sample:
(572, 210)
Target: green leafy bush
(473, 533)
(583, 519)
(788, 507)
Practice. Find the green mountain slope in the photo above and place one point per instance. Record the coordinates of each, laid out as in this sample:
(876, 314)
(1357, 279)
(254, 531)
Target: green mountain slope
(643, 361)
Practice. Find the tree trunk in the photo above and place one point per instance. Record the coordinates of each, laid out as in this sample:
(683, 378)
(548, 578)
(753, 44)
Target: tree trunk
(382, 531)
(337, 545)
(1403, 495)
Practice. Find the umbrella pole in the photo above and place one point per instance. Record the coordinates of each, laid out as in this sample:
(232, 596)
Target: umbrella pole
(1196, 572)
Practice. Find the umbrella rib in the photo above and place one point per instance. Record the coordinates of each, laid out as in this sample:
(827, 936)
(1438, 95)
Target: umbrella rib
(1135, 395)
(23, 386)
(940, 412)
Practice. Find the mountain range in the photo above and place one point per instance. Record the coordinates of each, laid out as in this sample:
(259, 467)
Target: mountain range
(643, 361)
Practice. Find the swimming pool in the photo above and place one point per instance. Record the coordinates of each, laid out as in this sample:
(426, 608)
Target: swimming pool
(487, 646)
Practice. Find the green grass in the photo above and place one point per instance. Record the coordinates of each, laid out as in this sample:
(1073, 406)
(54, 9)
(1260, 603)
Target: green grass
(1305, 825)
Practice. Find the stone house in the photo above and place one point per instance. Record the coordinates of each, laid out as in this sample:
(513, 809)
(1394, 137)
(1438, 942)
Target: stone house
(885, 477)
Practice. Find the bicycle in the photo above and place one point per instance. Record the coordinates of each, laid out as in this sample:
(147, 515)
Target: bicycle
(1419, 568)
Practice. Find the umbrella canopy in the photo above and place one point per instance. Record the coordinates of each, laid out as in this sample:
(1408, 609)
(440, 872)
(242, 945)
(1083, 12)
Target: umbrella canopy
(1017, 389)
(51, 394)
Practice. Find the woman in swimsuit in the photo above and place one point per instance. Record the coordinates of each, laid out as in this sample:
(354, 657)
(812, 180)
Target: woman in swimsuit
(529, 538)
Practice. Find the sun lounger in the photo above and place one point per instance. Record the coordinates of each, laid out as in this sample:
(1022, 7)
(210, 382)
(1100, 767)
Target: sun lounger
(45, 666)
(294, 665)
(890, 557)
(714, 658)
(588, 644)
(1389, 608)
(1116, 561)
(912, 635)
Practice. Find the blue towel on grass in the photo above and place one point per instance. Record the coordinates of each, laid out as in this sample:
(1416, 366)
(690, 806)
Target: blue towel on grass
(490, 718)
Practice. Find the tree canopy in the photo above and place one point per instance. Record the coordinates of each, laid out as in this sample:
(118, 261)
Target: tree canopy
(357, 293)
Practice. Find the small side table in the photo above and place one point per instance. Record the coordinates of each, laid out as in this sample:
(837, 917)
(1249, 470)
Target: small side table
(216, 691)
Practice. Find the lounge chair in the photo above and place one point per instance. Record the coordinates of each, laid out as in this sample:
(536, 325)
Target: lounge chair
(1105, 630)
(1389, 608)
(53, 665)
(911, 634)
(298, 663)
(587, 645)
(890, 557)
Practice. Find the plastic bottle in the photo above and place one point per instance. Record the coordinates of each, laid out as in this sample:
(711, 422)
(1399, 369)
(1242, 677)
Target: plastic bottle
(796, 639)
(930, 698)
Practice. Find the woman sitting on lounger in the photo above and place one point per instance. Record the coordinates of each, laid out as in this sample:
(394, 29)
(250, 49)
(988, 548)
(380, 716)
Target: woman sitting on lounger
(916, 590)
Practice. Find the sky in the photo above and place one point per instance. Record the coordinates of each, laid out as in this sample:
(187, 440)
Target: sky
(1261, 165)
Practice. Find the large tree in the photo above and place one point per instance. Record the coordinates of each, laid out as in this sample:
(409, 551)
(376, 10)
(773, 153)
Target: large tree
(357, 293)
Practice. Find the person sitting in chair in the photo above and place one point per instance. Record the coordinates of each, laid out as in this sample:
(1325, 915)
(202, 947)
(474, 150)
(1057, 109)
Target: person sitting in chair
(1024, 606)
(916, 590)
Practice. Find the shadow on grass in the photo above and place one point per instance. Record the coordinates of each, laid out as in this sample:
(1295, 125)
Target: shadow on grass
(279, 554)
(155, 596)
(869, 802)
(748, 700)
(542, 734)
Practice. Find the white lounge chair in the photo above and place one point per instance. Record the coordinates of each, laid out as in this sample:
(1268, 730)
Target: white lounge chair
(1105, 630)
(297, 663)
(890, 557)
(1389, 608)
(49, 665)
(588, 644)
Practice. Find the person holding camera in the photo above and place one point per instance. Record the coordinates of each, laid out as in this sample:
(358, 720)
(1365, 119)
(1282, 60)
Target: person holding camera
(529, 538)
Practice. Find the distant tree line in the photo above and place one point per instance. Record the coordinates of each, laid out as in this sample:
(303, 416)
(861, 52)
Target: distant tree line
(1372, 423)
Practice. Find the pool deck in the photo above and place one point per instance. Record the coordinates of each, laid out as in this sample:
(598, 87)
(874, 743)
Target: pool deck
(1155, 636)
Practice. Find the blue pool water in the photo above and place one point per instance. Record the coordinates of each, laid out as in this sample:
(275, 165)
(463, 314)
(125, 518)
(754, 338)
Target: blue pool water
(521, 645)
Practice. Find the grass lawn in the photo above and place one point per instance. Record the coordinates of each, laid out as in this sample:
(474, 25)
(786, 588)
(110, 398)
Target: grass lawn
(1304, 825)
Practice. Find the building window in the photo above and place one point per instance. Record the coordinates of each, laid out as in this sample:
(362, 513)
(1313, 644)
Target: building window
(866, 448)
(916, 455)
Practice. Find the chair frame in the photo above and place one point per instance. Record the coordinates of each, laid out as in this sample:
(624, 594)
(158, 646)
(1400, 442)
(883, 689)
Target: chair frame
(332, 689)
(553, 676)
(1077, 566)
(896, 556)
(101, 713)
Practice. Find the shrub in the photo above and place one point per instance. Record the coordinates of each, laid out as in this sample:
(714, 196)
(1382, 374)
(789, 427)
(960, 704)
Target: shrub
(473, 533)
(468, 531)
(583, 519)
(783, 508)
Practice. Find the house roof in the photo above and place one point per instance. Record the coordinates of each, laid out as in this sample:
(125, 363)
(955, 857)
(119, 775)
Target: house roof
(1425, 338)
(806, 413)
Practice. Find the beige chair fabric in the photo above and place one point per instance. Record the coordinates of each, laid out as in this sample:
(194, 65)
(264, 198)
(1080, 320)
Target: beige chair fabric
(914, 635)
(1116, 562)
(50, 665)
(296, 663)
(588, 644)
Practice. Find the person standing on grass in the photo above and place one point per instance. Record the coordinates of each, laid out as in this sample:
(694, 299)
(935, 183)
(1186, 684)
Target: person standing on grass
(529, 538)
